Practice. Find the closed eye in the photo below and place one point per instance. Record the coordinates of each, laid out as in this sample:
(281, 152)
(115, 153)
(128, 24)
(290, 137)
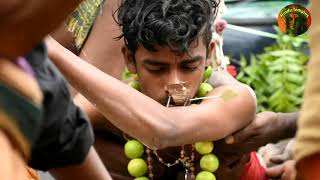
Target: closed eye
(191, 65)
(153, 68)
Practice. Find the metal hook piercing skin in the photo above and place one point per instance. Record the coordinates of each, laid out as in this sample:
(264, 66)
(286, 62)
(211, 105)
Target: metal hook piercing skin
(207, 97)
(168, 102)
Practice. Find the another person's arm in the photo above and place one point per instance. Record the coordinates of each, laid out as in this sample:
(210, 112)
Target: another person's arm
(100, 49)
(267, 127)
(91, 168)
(129, 110)
(23, 24)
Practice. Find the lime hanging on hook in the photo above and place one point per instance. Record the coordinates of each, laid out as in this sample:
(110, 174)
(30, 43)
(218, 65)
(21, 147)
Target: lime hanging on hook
(207, 73)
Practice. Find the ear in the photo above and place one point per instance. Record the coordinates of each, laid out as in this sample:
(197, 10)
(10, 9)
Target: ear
(129, 60)
(211, 48)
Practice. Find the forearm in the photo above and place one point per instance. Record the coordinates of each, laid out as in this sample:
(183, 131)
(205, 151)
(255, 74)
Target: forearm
(145, 119)
(25, 23)
(96, 118)
(91, 168)
(98, 121)
(114, 99)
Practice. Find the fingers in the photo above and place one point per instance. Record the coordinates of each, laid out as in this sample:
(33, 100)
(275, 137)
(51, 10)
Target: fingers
(240, 136)
(271, 151)
(275, 171)
(288, 176)
(289, 171)
(285, 171)
(277, 159)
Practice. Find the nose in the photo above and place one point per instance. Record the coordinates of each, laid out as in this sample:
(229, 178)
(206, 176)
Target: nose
(174, 78)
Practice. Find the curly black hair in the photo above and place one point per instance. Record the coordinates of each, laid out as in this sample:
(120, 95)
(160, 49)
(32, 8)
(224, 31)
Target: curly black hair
(172, 23)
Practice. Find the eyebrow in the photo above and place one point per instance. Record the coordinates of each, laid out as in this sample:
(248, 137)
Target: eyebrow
(192, 59)
(159, 63)
(154, 62)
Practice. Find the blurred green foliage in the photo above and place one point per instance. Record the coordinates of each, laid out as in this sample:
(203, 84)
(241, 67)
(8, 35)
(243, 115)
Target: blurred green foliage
(278, 74)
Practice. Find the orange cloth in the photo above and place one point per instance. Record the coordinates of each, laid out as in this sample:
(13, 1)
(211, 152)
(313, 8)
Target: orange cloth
(308, 168)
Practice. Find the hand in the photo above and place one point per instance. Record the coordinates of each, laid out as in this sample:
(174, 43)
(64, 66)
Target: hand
(275, 154)
(265, 128)
(284, 171)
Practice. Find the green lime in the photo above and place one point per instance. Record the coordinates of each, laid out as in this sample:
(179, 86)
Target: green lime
(137, 167)
(209, 162)
(141, 178)
(134, 84)
(204, 147)
(133, 149)
(135, 77)
(205, 175)
(204, 89)
(207, 73)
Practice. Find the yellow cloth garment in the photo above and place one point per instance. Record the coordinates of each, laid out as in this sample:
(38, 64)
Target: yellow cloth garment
(82, 19)
(308, 135)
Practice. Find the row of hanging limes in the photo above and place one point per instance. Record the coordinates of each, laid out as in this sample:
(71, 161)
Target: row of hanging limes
(209, 163)
(137, 167)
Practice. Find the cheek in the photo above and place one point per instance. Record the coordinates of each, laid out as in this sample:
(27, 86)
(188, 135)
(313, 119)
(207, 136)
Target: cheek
(152, 88)
(194, 84)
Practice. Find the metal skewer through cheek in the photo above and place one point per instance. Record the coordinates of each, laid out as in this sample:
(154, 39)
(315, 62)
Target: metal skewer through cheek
(168, 102)
(206, 97)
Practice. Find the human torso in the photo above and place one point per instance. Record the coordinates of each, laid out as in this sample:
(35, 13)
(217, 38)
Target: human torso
(110, 147)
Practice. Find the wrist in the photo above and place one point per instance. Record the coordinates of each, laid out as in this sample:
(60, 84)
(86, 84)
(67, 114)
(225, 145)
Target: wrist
(287, 122)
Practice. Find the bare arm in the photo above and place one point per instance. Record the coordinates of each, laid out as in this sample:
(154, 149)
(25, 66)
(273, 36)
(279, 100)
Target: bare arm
(91, 168)
(23, 24)
(129, 110)
(221, 78)
(104, 52)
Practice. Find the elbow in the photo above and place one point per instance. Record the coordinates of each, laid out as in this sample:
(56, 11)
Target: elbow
(252, 102)
(160, 139)
(162, 136)
(155, 142)
(252, 94)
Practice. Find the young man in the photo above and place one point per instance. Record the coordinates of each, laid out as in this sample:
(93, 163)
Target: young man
(167, 42)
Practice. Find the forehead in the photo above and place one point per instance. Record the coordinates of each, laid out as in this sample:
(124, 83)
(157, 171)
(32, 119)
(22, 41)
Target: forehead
(164, 54)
